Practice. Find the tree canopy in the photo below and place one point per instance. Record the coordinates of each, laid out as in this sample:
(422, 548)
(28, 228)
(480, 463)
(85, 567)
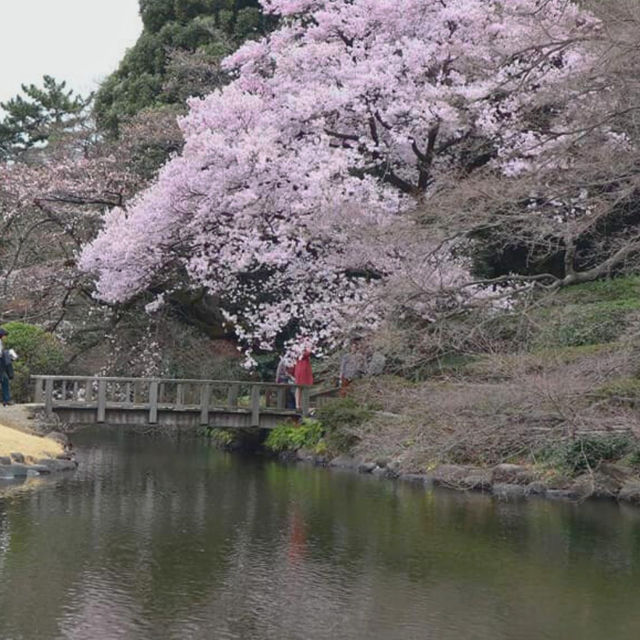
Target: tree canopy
(210, 28)
(348, 117)
(38, 115)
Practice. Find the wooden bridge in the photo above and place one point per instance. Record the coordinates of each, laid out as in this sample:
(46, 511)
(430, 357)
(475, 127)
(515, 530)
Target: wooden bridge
(175, 402)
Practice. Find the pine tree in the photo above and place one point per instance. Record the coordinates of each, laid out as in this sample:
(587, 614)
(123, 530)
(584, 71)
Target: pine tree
(38, 116)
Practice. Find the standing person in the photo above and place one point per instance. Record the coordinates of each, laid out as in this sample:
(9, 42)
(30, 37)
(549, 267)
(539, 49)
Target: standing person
(351, 366)
(302, 374)
(284, 375)
(6, 370)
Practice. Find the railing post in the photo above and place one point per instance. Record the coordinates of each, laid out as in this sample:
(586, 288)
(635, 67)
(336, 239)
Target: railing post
(281, 401)
(232, 396)
(88, 391)
(48, 397)
(153, 402)
(179, 395)
(205, 394)
(102, 401)
(255, 406)
(38, 394)
(305, 401)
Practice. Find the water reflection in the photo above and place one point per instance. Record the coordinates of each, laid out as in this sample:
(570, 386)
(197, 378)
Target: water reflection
(154, 538)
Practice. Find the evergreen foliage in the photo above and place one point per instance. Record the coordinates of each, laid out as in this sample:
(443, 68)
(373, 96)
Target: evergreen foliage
(39, 115)
(39, 352)
(207, 29)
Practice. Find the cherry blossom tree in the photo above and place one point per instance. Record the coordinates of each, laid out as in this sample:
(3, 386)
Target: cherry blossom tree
(335, 128)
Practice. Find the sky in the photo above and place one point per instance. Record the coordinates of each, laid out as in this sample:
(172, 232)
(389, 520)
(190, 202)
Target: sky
(80, 41)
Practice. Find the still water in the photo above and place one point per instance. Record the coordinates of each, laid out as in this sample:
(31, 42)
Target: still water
(162, 538)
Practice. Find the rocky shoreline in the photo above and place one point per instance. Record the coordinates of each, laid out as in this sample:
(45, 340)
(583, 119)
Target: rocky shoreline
(17, 466)
(611, 481)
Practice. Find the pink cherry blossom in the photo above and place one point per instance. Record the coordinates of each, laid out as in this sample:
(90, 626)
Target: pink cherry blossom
(333, 128)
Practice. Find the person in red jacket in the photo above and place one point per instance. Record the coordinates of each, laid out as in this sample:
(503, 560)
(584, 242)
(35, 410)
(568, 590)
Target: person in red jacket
(302, 374)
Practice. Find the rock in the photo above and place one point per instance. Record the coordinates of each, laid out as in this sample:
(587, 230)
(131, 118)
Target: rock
(451, 474)
(617, 472)
(16, 470)
(559, 494)
(61, 438)
(477, 481)
(630, 492)
(305, 455)
(344, 462)
(606, 486)
(40, 468)
(536, 488)
(582, 487)
(366, 467)
(512, 474)
(5, 460)
(413, 478)
(17, 457)
(55, 464)
(379, 471)
(506, 491)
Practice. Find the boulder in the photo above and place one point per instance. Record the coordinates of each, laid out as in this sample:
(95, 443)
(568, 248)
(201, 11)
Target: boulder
(344, 462)
(506, 491)
(536, 488)
(477, 481)
(630, 492)
(512, 474)
(414, 478)
(582, 487)
(17, 457)
(366, 467)
(57, 436)
(560, 494)
(451, 475)
(16, 470)
(616, 472)
(605, 485)
(5, 460)
(55, 464)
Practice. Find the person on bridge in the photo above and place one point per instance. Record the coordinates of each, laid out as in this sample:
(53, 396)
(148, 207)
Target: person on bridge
(285, 375)
(302, 374)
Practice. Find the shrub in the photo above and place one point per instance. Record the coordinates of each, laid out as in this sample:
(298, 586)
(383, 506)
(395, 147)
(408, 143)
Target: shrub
(587, 452)
(290, 436)
(39, 352)
(342, 412)
(340, 418)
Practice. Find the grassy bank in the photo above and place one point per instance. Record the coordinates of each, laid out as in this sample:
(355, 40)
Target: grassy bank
(30, 446)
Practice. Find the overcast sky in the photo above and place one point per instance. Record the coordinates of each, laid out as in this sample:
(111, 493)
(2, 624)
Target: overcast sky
(80, 41)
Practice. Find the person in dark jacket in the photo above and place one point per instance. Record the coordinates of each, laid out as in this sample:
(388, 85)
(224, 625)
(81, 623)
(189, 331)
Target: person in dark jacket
(6, 370)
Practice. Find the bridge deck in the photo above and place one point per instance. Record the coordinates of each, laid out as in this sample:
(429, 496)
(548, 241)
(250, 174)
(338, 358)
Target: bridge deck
(185, 402)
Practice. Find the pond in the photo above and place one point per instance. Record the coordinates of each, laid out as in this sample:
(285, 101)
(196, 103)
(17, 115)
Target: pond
(169, 538)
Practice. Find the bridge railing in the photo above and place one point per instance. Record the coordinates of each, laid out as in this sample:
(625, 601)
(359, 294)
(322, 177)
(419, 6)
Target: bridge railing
(176, 394)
